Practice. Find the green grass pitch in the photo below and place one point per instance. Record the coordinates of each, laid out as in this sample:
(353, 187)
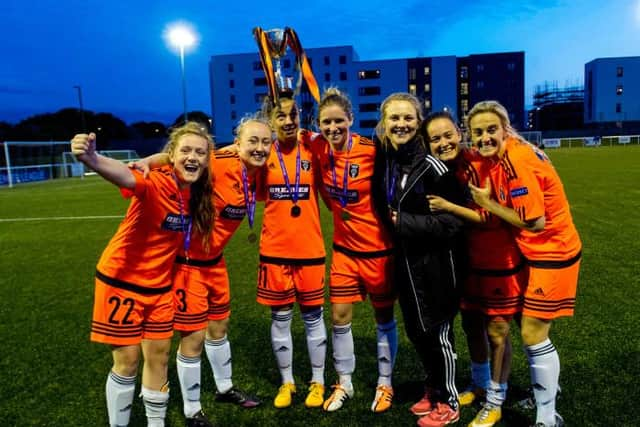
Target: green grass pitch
(51, 375)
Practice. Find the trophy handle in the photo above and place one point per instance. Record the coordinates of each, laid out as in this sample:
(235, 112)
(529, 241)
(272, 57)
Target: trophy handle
(303, 63)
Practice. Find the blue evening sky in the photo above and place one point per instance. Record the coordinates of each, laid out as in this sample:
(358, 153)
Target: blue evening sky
(115, 49)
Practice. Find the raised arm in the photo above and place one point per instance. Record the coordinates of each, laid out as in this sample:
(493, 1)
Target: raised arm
(482, 196)
(83, 146)
(439, 204)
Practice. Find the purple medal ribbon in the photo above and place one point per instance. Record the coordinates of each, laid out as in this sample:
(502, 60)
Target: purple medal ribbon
(294, 195)
(345, 176)
(391, 186)
(249, 201)
(184, 223)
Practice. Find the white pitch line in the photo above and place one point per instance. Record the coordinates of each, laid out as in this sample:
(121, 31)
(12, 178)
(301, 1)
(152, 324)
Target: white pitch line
(61, 218)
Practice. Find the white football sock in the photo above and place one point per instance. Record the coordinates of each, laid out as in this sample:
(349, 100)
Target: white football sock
(544, 365)
(155, 406)
(316, 343)
(282, 343)
(387, 338)
(189, 372)
(219, 355)
(119, 391)
(344, 358)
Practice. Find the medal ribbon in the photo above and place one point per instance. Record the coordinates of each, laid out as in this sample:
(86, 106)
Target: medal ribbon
(249, 201)
(185, 223)
(294, 195)
(343, 198)
(390, 183)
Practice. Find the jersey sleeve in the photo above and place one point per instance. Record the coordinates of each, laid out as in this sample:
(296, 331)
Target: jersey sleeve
(140, 188)
(524, 189)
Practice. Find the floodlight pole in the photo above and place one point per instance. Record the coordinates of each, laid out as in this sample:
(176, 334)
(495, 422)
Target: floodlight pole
(82, 119)
(184, 83)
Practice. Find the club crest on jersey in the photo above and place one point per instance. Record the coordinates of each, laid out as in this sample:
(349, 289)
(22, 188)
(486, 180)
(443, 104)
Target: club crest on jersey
(354, 170)
(305, 165)
(520, 191)
(272, 165)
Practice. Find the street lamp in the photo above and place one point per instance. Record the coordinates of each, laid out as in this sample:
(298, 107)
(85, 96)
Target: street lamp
(182, 37)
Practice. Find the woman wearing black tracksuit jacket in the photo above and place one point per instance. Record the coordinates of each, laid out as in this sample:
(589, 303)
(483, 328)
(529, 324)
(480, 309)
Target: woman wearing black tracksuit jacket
(428, 264)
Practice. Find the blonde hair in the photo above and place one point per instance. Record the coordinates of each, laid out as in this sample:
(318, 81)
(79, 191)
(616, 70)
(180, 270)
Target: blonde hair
(251, 118)
(398, 96)
(333, 96)
(201, 201)
(499, 110)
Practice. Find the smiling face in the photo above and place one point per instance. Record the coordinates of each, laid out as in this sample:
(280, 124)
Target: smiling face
(400, 122)
(334, 125)
(488, 134)
(190, 158)
(254, 144)
(285, 121)
(444, 139)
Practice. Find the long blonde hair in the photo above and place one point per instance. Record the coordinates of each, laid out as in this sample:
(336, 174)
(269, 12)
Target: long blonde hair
(201, 201)
(398, 96)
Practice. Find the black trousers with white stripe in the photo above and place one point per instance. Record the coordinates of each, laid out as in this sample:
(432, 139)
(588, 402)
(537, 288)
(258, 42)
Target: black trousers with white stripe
(436, 349)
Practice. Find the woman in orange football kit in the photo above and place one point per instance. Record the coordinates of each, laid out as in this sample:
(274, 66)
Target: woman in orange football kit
(200, 279)
(362, 252)
(133, 307)
(529, 195)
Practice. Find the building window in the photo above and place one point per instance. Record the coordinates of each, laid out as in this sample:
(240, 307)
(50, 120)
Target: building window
(343, 75)
(368, 74)
(464, 105)
(619, 90)
(618, 107)
(230, 68)
(464, 88)
(412, 89)
(412, 74)
(480, 84)
(368, 124)
(259, 97)
(427, 104)
(369, 90)
(286, 63)
(427, 70)
(232, 84)
(480, 67)
(368, 108)
(342, 59)
(260, 81)
(619, 72)
(427, 87)
(257, 66)
(233, 115)
(232, 99)
(327, 60)
(327, 77)
(511, 66)
(464, 72)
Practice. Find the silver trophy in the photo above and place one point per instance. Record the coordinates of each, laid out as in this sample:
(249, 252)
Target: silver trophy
(273, 46)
